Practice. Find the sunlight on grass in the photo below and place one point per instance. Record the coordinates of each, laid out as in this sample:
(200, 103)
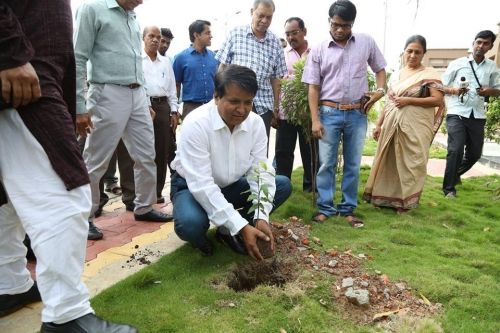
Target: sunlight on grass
(447, 250)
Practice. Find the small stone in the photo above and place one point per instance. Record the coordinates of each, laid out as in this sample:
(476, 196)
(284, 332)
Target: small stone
(332, 263)
(301, 248)
(291, 234)
(347, 282)
(359, 297)
(362, 256)
(401, 286)
(364, 284)
(387, 294)
(378, 272)
(231, 305)
(316, 267)
(136, 246)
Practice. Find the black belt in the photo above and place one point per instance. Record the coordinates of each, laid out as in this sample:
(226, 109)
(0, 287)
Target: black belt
(196, 102)
(158, 99)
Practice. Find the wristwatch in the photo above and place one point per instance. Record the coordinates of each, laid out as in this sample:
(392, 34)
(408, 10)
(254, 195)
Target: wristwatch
(381, 89)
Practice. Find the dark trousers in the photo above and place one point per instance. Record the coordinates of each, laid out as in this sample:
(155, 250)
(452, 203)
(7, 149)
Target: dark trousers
(465, 146)
(286, 140)
(187, 107)
(164, 143)
(126, 167)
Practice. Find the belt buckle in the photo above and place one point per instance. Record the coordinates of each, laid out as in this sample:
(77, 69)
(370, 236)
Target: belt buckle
(133, 85)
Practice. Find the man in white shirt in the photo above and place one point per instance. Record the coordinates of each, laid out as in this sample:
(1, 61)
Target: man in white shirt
(162, 95)
(221, 146)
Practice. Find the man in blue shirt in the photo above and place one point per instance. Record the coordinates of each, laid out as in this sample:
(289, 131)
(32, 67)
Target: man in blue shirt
(466, 112)
(195, 68)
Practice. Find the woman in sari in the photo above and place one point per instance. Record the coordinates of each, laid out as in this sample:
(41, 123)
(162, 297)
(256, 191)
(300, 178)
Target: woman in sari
(406, 127)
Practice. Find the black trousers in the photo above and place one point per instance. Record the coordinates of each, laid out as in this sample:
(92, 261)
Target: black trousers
(286, 140)
(164, 143)
(465, 146)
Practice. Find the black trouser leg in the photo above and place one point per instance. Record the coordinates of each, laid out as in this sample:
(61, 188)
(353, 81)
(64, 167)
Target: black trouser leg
(286, 137)
(310, 168)
(473, 144)
(456, 142)
(164, 143)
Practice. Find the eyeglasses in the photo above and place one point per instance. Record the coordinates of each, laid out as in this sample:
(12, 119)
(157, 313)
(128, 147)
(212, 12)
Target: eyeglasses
(292, 33)
(336, 26)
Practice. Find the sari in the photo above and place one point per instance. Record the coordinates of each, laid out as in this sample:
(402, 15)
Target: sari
(400, 165)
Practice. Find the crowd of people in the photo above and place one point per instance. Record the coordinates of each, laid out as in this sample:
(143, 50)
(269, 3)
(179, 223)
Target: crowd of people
(70, 113)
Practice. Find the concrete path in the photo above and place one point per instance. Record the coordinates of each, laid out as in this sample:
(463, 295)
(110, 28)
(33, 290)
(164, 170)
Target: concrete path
(115, 257)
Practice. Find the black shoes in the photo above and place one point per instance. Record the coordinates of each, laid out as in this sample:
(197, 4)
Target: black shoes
(12, 303)
(129, 206)
(89, 323)
(153, 216)
(234, 242)
(94, 232)
(206, 249)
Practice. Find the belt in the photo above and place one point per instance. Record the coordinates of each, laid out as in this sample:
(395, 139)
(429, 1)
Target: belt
(341, 106)
(131, 86)
(159, 99)
(197, 102)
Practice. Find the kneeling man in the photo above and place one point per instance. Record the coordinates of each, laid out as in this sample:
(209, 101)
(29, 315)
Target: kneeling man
(222, 145)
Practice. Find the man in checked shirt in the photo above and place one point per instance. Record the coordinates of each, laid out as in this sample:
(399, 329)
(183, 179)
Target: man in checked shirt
(257, 48)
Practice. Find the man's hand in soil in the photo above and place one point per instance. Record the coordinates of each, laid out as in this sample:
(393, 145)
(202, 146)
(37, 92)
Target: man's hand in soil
(263, 226)
(250, 236)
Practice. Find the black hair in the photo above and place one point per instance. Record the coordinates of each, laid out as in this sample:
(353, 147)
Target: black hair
(300, 22)
(486, 34)
(241, 76)
(166, 32)
(267, 3)
(197, 27)
(344, 9)
(417, 39)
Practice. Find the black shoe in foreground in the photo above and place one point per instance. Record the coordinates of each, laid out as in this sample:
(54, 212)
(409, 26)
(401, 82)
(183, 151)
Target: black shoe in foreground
(234, 242)
(12, 303)
(94, 232)
(206, 249)
(89, 323)
(153, 216)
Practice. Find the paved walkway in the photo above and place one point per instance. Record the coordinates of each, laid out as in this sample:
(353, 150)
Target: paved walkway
(115, 257)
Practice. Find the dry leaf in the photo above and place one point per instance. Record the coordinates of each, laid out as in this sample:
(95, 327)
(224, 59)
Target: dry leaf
(447, 227)
(305, 241)
(426, 301)
(486, 229)
(382, 315)
(282, 330)
(384, 278)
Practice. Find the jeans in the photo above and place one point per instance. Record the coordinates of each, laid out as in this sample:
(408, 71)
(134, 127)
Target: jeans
(190, 219)
(351, 127)
(463, 133)
(286, 139)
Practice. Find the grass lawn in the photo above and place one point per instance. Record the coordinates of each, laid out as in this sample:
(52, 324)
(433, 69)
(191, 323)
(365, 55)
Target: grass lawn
(447, 250)
(434, 152)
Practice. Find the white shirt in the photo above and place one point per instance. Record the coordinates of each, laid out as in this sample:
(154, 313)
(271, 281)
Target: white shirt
(160, 79)
(210, 157)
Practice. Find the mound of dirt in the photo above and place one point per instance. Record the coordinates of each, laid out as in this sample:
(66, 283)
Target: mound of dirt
(364, 298)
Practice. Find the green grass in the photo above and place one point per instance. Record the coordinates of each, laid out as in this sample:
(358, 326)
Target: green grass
(448, 250)
(434, 152)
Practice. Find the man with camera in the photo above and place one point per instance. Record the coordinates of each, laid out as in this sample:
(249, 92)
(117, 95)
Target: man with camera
(474, 78)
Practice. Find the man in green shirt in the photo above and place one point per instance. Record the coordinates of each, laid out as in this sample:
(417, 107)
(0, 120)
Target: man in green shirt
(108, 52)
